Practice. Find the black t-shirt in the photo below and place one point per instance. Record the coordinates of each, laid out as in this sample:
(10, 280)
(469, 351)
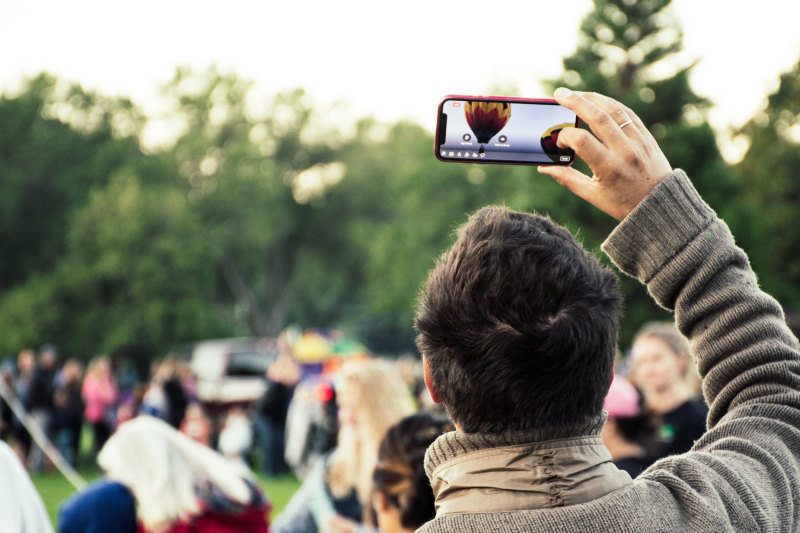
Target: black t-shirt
(273, 405)
(40, 393)
(681, 427)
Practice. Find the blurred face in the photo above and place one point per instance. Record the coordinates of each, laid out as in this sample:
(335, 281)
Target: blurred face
(349, 404)
(655, 366)
(72, 371)
(26, 361)
(102, 369)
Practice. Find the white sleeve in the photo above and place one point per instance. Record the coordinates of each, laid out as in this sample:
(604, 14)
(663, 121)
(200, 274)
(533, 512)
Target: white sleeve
(21, 507)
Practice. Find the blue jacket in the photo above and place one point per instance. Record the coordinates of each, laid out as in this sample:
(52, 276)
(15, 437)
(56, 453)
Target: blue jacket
(104, 506)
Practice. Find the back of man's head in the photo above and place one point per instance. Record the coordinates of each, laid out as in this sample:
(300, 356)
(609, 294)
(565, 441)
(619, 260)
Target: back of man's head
(518, 324)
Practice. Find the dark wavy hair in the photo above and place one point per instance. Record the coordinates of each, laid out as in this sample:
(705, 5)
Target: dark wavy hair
(518, 324)
(400, 473)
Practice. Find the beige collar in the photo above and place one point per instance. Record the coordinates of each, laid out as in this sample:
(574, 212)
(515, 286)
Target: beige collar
(515, 477)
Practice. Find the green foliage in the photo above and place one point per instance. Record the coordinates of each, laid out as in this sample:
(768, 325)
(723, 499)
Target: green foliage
(628, 51)
(265, 212)
(769, 172)
(47, 169)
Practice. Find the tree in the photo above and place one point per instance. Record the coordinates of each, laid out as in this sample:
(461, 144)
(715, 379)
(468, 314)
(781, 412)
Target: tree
(243, 170)
(59, 146)
(137, 276)
(769, 174)
(48, 166)
(628, 51)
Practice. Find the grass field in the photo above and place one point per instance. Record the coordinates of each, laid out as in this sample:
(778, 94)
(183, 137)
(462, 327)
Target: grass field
(55, 489)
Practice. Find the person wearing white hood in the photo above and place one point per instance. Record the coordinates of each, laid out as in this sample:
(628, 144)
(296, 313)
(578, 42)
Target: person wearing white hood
(21, 507)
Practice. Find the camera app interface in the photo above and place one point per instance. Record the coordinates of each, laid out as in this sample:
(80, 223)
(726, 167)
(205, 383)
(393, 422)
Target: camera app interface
(505, 131)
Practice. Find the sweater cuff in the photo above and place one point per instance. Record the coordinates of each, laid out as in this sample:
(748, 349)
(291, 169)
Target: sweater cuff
(659, 227)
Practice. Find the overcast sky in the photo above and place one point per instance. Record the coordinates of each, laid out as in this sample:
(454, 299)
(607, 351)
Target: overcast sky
(389, 60)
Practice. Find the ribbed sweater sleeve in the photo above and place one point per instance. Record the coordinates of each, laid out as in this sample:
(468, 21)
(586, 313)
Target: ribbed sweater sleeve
(674, 243)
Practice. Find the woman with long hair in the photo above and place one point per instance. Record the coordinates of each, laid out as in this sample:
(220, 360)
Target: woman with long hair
(100, 395)
(371, 397)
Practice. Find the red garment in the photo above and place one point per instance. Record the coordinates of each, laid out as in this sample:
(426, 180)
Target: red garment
(251, 520)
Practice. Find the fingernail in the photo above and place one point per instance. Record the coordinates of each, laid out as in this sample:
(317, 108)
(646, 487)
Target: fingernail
(562, 92)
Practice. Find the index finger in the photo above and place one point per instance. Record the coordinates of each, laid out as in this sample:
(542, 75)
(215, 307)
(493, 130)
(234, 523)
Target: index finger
(603, 115)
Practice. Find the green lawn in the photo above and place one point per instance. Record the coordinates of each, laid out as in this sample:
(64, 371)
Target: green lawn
(54, 489)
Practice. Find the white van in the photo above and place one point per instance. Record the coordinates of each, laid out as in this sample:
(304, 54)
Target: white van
(232, 371)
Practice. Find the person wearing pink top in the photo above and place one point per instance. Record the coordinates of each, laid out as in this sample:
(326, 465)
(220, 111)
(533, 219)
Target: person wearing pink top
(100, 396)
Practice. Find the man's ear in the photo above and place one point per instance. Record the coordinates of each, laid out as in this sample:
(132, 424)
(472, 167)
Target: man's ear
(429, 382)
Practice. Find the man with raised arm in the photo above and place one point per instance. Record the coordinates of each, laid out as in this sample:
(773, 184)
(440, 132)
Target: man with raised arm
(518, 329)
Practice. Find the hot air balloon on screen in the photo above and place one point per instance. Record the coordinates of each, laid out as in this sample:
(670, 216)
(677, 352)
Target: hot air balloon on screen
(550, 142)
(486, 119)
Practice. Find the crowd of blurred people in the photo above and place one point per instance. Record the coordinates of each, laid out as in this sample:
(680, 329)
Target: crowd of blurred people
(64, 400)
(354, 433)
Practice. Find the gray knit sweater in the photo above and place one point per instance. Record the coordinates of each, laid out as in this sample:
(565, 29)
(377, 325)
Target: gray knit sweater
(743, 474)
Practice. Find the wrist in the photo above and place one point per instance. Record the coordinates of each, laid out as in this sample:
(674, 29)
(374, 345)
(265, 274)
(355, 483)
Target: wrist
(661, 224)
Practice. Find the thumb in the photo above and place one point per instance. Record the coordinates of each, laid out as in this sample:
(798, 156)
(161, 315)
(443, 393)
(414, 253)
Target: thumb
(584, 187)
(574, 181)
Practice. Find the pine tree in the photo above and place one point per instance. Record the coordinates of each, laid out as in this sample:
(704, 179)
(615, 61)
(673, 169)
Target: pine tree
(631, 51)
(770, 175)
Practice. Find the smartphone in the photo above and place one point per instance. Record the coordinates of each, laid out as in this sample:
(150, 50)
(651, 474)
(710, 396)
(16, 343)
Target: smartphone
(498, 129)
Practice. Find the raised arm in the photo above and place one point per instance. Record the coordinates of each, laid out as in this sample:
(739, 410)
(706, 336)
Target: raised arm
(674, 243)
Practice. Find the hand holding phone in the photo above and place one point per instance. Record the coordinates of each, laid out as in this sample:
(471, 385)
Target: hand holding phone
(506, 130)
(625, 159)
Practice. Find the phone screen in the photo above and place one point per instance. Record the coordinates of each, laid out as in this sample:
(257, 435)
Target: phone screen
(503, 131)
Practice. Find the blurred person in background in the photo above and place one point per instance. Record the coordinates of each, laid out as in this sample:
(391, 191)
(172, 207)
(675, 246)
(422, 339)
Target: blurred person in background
(174, 393)
(21, 507)
(100, 396)
(270, 413)
(6, 414)
(402, 495)
(68, 407)
(174, 484)
(335, 494)
(196, 425)
(26, 363)
(662, 369)
(627, 432)
(154, 400)
(40, 401)
(410, 367)
(236, 436)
